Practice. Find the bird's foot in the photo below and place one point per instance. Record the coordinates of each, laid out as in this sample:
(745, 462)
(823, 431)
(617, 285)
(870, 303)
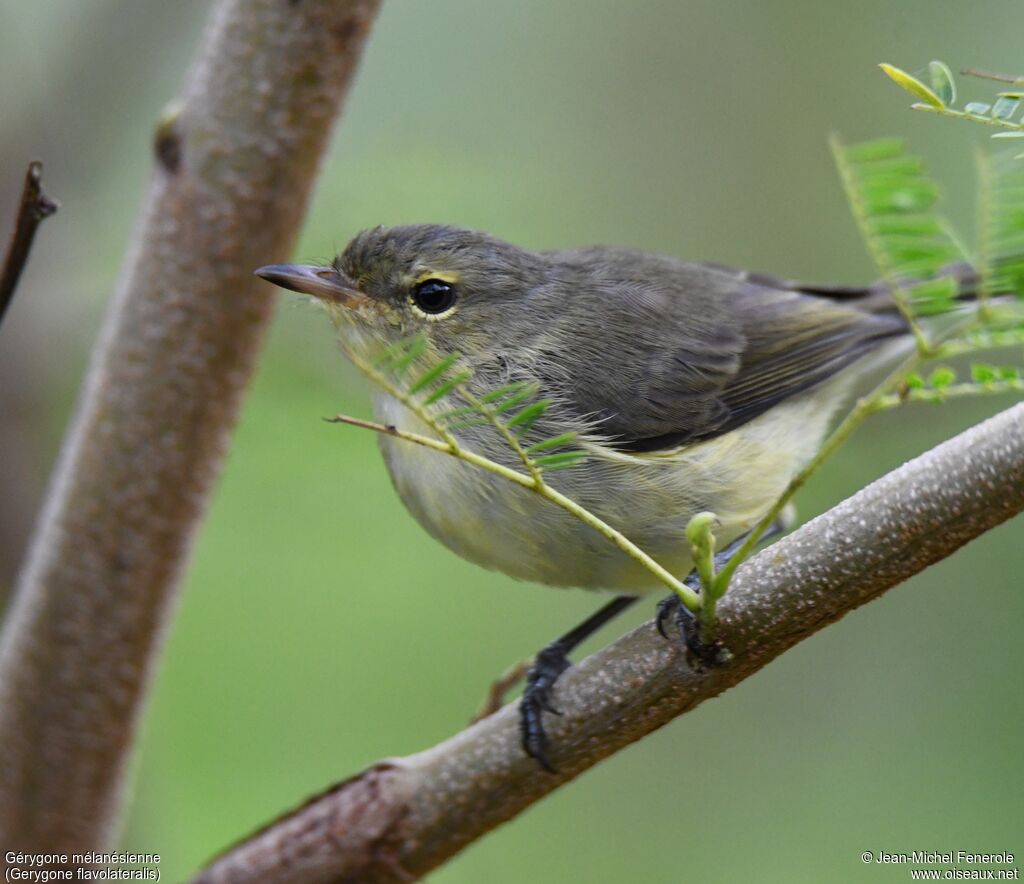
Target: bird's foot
(699, 653)
(549, 664)
(703, 653)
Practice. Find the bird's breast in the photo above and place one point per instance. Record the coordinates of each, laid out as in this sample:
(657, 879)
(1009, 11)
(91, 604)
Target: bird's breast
(650, 498)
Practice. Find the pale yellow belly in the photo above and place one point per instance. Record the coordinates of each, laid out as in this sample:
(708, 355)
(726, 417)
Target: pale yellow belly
(650, 498)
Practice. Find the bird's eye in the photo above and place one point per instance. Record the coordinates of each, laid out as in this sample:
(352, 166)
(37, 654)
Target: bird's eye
(434, 296)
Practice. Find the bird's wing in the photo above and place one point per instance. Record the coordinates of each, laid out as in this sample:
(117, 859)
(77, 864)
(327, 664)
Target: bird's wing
(735, 345)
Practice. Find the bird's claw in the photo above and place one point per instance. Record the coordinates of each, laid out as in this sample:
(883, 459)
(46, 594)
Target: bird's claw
(540, 682)
(665, 610)
(700, 654)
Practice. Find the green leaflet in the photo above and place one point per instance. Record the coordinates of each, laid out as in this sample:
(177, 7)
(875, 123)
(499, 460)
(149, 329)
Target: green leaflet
(561, 460)
(447, 387)
(914, 86)
(942, 82)
(435, 373)
(554, 442)
(893, 201)
(523, 420)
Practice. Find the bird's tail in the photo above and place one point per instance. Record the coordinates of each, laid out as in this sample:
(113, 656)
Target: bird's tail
(958, 302)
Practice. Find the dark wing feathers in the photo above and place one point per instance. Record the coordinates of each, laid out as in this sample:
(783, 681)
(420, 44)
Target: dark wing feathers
(735, 345)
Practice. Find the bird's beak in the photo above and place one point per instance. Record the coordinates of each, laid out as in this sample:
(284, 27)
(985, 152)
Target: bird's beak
(324, 283)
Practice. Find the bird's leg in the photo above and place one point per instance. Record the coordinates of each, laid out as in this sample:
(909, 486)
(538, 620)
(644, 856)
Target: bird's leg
(687, 622)
(548, 665)
(553, 660)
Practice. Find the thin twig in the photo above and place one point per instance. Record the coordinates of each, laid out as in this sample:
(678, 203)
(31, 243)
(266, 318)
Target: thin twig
(35, 206)
(449, 444)
(507, 435)
(992, 75)
(495, 698)
(403, 396)
(996, 122)
(864, 407)
(935, 395)
(686, 595)
(401, 818)
(979, 340)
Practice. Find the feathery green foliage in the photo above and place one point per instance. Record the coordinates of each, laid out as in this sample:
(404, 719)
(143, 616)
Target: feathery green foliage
(404, 371)
(512, 409)
(894, 204)
(1001, 225)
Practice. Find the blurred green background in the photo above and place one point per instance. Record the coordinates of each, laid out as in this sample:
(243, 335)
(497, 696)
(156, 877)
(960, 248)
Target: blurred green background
(320, 629)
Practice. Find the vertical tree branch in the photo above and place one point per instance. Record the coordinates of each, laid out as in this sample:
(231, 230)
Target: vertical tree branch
(235, 165)
(35, 206)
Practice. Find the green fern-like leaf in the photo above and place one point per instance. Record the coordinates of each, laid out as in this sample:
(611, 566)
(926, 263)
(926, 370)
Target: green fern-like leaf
(1001, 225)
(893, 202)
(512, 409)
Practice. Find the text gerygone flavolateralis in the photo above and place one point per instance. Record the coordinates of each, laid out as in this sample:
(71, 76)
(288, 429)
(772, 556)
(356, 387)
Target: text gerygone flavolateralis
(691, 386)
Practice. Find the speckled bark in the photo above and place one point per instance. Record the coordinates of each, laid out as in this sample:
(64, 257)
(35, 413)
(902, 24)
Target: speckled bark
(395, 822)
(234, 168)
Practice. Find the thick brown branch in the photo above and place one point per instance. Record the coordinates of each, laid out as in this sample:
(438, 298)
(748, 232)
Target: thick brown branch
(404, 817)
(34, 207)
(235, 162)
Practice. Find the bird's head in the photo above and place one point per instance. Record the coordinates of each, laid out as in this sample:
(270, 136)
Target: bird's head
(464, 291)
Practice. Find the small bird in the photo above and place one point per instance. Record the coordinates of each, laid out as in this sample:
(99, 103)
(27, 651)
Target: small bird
(692, 387)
